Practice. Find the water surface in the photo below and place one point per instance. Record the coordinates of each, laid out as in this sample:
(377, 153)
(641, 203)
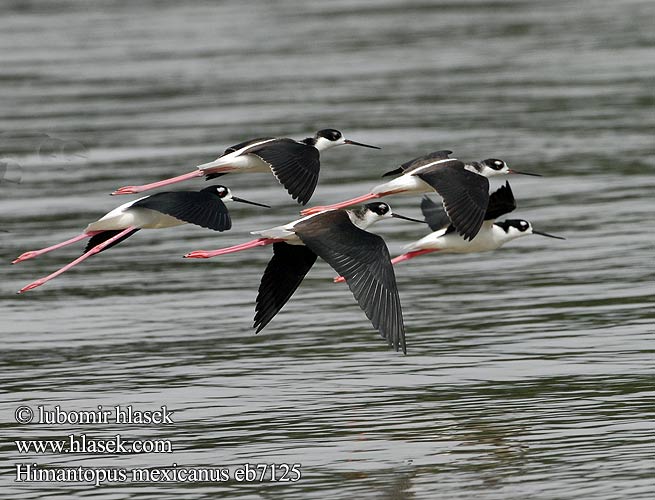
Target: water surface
(529, 371)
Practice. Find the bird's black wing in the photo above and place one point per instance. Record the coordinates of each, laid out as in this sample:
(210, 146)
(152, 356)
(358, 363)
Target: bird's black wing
(434, 214)
(96, 239)
(465, 195)
(443, 154)
(363, 259)
(501, 202)
(215, 175)
(295, 165)
(195, 207)
(283, 275)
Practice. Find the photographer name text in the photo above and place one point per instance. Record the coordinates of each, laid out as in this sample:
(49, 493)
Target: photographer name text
(111, 415)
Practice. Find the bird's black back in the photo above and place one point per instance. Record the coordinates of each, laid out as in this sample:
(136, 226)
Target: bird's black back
(420, 161)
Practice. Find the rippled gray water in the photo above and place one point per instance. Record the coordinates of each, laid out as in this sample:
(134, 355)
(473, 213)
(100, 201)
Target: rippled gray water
(529, 371)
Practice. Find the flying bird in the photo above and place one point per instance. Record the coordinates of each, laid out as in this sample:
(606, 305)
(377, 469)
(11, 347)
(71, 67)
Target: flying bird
(295, 164)
(492, 235)
(204, 208)
(339, 238)
(463, 187)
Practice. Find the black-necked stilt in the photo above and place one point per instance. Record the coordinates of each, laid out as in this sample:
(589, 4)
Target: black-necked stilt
(463, 187)
(339, 238)
(296, 164)
(204, 208)
(492, 235)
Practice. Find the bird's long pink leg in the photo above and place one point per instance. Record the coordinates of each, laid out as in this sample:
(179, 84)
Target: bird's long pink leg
(343, 204)
(165, 182)
(395, 260)
(411, 255)
(35, 253)
(208, 254)
(81, 258)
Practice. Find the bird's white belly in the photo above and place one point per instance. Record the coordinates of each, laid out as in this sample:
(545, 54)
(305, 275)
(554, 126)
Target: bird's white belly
(485, 241)
(143, 218)
(237, 160)
(406, 183)
(229, 163)
(279, 233)
(254, 163)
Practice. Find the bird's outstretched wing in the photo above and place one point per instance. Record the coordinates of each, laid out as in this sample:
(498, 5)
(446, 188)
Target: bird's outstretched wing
(195, 207)
(465, 195)
(421, 161)
(295, 165)
(284, 273)
(103, 236)
(434, 214)
(501, 202)
(363, 259)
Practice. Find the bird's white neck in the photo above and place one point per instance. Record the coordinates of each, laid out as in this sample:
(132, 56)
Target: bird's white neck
(363, 218)
(483, 170)
(321, 143)
(501, 236)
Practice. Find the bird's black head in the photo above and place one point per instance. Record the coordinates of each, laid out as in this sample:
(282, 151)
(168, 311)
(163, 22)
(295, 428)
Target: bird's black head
(491, 167)
(219, 190)
(378, 208)
(494, 164)
(330, 134)
(226, 195)
(519, 224)
(519, 227)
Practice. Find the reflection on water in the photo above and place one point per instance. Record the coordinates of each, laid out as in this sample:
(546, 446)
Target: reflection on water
(528, 370)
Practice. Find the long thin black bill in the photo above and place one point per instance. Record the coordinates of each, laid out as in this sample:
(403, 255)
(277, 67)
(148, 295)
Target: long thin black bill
(547, 235)
(398, 216)
(524, 173)
(347, 141)
(241, 200)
